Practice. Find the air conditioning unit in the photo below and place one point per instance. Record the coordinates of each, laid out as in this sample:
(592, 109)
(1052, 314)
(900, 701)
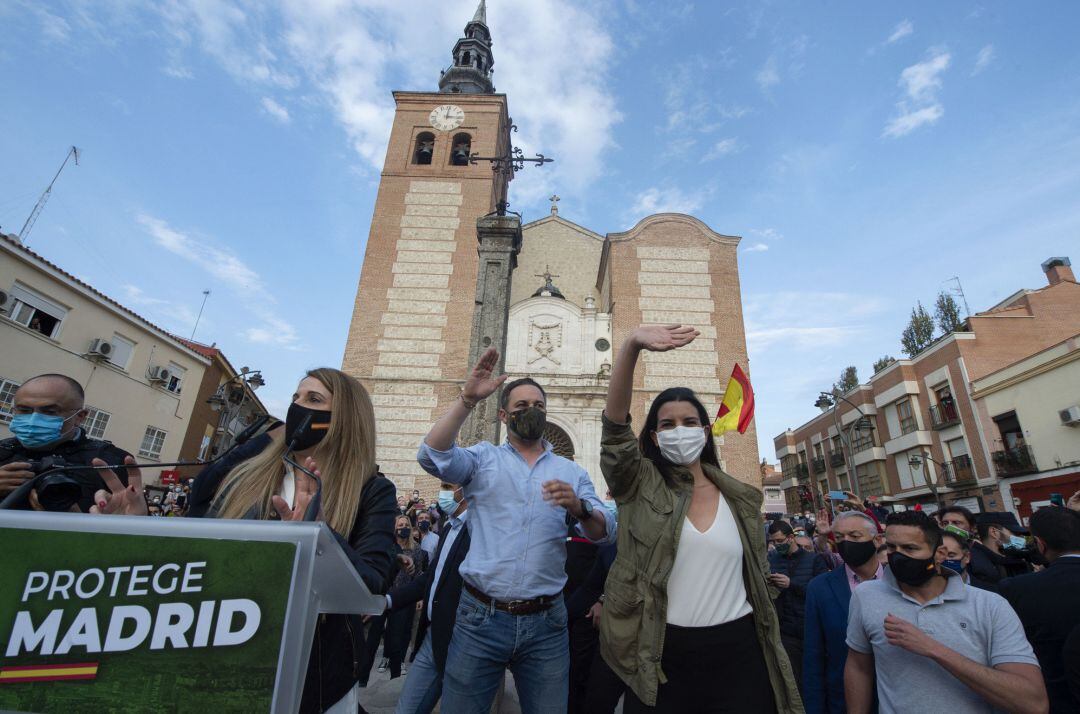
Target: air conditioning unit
(159, 374)
(101, 348)
(4, 299)
(1070, 416)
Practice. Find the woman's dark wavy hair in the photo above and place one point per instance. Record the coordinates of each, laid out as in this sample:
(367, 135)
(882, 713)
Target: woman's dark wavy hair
(652, 451)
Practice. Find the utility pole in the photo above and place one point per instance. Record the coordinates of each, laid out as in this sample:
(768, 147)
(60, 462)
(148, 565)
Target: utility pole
(24, 234)
(960, 292)
(205, 294)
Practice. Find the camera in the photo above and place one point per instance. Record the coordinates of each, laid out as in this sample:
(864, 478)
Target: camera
(55, 491)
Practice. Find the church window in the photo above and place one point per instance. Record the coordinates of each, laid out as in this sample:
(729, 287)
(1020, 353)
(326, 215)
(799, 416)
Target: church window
(602, 345)
(425, 147)
(465, 59)
(462, 148)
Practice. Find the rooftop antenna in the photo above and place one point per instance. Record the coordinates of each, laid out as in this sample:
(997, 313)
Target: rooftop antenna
(24, 234)
(205, 294)
(959, 290)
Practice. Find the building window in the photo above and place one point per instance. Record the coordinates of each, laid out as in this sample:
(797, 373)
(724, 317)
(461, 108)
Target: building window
(462, 149)
(176, 377)
(152, 442)
(7, 400)
(425, 148)
(907, 418)
(33, 310)
(96, 422)
(122, 350)
(862, 441)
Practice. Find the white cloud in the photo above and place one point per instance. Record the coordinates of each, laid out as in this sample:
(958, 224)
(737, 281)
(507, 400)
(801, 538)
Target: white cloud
(805, 319)
(276, 110)
(756, 248)
(902, 30)
(54, 27)
(920, 105)
(768, 76)
(229, 271)
(983, 59)
(767, 233)
(665, 200)
(724, 147)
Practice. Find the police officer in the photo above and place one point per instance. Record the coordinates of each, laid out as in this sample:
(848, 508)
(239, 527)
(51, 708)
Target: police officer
(48, 414)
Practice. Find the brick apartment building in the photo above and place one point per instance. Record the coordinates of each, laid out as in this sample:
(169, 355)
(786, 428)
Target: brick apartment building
(949, 425)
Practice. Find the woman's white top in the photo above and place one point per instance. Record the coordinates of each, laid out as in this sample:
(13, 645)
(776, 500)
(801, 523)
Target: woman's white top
(706, 583)
(288, 486)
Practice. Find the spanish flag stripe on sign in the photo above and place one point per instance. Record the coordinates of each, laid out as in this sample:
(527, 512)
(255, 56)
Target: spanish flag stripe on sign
(48, 672)
(737, 409)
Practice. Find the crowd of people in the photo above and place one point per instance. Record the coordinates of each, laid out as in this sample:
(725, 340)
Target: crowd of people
(670, 594)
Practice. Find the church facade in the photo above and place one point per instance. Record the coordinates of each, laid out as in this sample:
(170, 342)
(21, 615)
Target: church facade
(573, 296)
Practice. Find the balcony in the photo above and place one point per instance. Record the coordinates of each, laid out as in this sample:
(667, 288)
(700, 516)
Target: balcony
(1015, 461)
(836, 459)
(959, 471)
(819, 465)
(944, 415)
(801, 472)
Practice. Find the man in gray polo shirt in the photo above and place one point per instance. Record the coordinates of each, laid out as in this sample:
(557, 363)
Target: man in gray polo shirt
(934, 644)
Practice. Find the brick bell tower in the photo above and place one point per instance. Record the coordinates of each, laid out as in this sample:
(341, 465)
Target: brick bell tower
(409, 340)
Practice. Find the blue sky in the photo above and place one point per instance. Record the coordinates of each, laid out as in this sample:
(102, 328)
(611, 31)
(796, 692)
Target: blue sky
(866, 152)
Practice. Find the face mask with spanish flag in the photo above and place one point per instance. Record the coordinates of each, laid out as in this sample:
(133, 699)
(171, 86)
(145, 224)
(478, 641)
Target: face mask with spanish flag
(737, 409)
(315, 431)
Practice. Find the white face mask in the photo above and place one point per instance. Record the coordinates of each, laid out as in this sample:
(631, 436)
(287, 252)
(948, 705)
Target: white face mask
(681, 445)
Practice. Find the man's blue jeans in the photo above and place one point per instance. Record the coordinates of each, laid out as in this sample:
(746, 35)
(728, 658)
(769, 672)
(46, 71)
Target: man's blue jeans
(423, 683)
(486, 641)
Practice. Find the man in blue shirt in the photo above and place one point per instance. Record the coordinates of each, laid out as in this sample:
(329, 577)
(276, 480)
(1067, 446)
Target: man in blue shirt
(511, 612)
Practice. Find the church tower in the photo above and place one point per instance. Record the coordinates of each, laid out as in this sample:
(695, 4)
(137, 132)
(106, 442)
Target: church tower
(409, 339)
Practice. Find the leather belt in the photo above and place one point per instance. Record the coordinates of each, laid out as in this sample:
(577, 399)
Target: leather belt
(514, 607)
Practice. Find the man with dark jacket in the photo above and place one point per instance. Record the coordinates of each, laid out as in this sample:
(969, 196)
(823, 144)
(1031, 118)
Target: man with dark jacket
(827, 601)
(792, 568)
(1047, 602)
(49, 411)
(440, 590)
(997, 553)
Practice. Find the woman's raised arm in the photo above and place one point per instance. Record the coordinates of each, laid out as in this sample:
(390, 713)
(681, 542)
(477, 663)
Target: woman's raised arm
(654, 338)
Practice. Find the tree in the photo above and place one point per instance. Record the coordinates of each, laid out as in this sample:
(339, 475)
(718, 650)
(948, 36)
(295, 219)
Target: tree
(947, 313)
(919, 333)
(883, 363)
(849, 379)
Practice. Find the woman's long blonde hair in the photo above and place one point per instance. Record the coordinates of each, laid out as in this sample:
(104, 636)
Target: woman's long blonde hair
(345, 457)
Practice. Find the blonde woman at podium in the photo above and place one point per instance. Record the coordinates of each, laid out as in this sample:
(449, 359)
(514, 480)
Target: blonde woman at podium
(328, 437)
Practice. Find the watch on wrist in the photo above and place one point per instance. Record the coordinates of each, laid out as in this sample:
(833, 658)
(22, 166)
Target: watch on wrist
(586, 509)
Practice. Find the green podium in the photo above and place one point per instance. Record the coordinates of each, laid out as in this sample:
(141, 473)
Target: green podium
(130, 614)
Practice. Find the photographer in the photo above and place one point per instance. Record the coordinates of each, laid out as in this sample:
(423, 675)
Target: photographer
(48, 414)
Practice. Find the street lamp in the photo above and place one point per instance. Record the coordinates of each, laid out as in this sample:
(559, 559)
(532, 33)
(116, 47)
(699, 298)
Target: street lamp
(828, 400)
(229, 400)
(916, 461)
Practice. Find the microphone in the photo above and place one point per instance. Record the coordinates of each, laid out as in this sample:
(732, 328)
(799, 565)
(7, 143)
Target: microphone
(49, 467)
(315, 504)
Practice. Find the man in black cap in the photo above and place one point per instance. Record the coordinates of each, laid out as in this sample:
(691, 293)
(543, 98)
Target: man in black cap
(1046, 602)
(999, 552)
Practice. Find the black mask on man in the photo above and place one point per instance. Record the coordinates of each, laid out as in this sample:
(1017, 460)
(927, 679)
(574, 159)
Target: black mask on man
(313, 434)
(856, 553)
(424, 526)
(911, 571)
(527, 423)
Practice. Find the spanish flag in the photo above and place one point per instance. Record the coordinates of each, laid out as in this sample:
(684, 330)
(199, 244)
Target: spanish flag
(48, 672)
(737, 409)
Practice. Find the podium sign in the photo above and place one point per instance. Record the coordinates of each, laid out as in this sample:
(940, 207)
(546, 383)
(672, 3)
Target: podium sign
(111, 613)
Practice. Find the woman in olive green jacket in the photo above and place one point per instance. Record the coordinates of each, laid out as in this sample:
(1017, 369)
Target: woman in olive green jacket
(688, 620)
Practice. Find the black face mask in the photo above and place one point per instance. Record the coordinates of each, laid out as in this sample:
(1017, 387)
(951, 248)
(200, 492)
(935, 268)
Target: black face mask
(424, 526)
(911, 571)
(403, 533)
(316, 430)
(856, 554)
(527, 424)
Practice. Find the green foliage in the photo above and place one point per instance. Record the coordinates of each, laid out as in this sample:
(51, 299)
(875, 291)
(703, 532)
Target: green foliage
(919, 333)
(883, 363)
(947, 314)
(849, 379)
